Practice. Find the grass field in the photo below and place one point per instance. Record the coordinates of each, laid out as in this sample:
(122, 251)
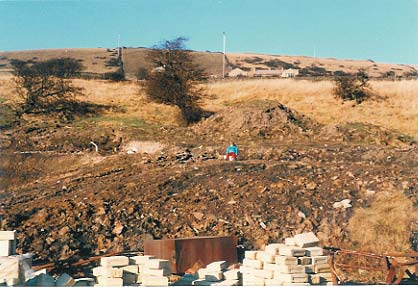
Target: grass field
(395, 107)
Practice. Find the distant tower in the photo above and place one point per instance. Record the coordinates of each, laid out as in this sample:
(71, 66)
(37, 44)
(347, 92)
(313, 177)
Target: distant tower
(223, 55)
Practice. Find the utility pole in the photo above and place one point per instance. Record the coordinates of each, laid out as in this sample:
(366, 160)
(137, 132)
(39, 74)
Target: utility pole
(119, 45)
(223, 55)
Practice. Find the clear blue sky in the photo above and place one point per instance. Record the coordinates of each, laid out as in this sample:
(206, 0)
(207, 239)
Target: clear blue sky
(382, 30)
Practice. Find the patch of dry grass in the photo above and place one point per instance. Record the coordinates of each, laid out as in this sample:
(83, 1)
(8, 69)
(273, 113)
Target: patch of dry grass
(386, 225)
(398, 110)
(129, 100)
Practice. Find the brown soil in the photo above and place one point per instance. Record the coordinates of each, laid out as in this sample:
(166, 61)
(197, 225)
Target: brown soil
(68, 202)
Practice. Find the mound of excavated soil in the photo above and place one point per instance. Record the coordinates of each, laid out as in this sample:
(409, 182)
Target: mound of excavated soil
(264, 119)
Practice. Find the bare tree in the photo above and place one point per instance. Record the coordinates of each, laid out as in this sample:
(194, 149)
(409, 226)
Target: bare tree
(45, 87)
(174, 78)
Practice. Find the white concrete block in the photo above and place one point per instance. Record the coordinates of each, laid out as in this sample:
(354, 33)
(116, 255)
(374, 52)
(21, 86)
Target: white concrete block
(286, 260)
(114, 261)
(322, 268)
(154, 280)
(253, 281)
(246, 270)
(156, 272)
(270, 266)
(227, 283)
(305, 240)
(291, 269)
(304, 260)
(250, 254)
(263, 273)
(320, 278)
(65, 280)
(297, 284)
(314, 251)
(7, 248)
(104, 281)
(200, 274)
(109, 272)
(9, 268)
(8, 235)
(292, 278)
(233, 274)
(213, 276)
(217, 266)
(292, 251)
(13, 282)
(258, 264)
(319, 259)
(290, 241)
(157, 264)
(266, 257)
(273, 248)
(141, 259)
(272, 282)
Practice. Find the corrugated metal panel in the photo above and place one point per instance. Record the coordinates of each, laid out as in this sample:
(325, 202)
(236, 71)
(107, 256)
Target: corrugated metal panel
(183, 253)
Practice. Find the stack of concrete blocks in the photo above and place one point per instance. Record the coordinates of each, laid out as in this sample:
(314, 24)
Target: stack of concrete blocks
(115, 271)
(296, 262)
(14, 269)
(8, 243)
(217, 274)
(276, 265)
(155, 272)
(123, 271)
(315, 262)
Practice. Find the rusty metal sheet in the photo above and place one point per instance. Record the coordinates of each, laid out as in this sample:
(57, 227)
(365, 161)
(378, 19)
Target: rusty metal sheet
(183, 253)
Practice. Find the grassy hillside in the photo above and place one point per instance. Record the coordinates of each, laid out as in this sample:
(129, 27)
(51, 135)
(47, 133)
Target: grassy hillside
(394, 107)
(96, 61)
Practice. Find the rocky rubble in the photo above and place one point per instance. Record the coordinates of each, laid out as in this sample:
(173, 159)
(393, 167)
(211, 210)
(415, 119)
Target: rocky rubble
(76, 205)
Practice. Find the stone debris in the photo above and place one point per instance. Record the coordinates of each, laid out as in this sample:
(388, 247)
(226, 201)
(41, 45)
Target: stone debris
(345, 203)
(298, 261)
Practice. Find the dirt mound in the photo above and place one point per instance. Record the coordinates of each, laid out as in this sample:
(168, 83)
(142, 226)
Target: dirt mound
(260, 118)
(363, 133)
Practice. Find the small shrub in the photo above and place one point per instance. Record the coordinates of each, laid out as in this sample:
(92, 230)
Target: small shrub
(278, 63)
(341, 73)
(253, 60)
(142, 74)
(117, 76)
(349, 88)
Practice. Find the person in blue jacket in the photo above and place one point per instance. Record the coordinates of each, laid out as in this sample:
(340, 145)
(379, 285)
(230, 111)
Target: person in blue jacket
(232, 152)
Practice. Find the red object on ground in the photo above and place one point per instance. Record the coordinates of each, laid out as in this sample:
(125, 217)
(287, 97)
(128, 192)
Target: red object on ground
(231, 156)
(184, 253)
